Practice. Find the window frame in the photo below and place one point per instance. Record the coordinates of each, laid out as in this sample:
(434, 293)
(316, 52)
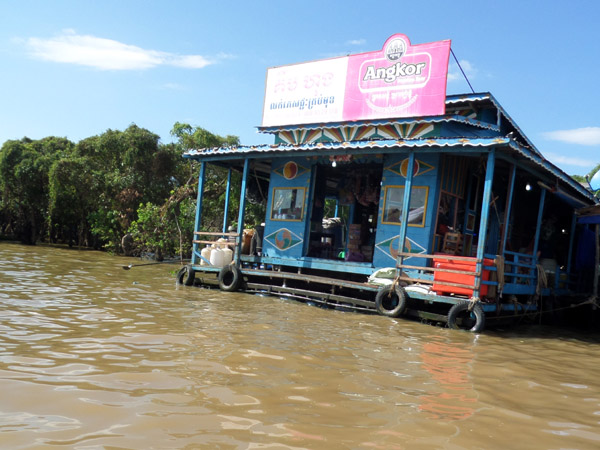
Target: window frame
(278, 216)
(390, 188)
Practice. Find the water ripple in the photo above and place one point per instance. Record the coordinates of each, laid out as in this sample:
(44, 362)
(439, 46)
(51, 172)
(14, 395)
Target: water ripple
(94, 357)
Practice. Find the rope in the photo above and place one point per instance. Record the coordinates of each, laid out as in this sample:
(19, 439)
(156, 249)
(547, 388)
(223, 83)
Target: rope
(516, 304)
(472, 302)
(394, 284)
(590, 301)
(542, 279)
(463, 72)
(499, 262)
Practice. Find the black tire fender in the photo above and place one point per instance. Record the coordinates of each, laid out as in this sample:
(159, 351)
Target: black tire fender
(463, 307)
(391, 301)
(230, 278)
(186, 275)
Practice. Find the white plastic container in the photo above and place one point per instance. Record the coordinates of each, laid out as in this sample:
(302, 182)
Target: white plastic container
(216, 257)
(227, 256)
(206, 251)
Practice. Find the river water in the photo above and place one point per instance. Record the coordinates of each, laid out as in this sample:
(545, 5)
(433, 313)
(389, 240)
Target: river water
(96, 357)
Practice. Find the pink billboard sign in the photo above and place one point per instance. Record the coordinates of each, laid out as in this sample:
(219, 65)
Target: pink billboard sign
(401, 80)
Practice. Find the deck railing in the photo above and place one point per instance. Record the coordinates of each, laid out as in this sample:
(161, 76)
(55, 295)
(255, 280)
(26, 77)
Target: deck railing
(439, 281)
(519, 268)
(519, 273)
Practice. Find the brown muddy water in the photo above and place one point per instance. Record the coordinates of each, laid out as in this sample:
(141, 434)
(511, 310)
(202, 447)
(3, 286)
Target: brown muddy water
(96, 357)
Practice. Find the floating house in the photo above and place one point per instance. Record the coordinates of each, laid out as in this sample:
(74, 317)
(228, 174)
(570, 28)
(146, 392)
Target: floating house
(386, 195)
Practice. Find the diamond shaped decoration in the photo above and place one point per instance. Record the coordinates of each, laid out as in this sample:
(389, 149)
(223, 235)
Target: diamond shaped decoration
(283, 239)
(390, 247)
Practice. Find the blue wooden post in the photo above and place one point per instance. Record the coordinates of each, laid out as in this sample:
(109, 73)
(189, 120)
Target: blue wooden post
(227, 194)
(201, 177)
(240, 227)
(511, 190)
(485, 215)
(468, 201)
(571, 243)
(406, 205)
(538, 226)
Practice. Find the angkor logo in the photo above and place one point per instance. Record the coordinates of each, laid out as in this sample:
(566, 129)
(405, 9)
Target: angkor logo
(395, 50)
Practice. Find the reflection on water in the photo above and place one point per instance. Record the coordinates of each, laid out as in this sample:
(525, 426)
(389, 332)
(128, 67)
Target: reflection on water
(93, 357)
(453, 396)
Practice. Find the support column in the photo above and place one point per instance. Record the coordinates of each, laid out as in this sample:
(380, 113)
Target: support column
(485, 215)
(571, 244)
(241, 215)
(406, 205)
(197, 224)
(596, 267)
(507, 211)
(538, 226)
(227, 194)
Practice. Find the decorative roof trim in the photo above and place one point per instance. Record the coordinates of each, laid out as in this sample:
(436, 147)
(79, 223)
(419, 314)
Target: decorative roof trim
(450, 100)
(379, 122)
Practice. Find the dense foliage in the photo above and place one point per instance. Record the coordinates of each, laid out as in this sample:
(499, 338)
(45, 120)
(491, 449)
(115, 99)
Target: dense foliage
(584, 178)
(122, 190)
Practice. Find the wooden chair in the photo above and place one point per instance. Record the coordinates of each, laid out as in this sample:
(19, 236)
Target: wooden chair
(452, 243)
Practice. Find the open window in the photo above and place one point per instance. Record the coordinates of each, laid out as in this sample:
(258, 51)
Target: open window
(393, 205)
(288, 204)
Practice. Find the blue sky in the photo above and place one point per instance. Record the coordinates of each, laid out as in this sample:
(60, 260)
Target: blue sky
(77, 68)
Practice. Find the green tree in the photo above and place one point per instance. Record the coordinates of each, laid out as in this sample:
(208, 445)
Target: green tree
(24, 169)
(584, 178)
(131, 168)
(74, 194)
(115, 183)
(167, 228)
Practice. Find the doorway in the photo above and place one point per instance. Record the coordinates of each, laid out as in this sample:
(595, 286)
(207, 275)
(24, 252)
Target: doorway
(343, 217)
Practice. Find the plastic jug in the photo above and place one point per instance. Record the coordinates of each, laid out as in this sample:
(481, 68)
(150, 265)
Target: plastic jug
(216, 257)
(206, 251)
(227, 256)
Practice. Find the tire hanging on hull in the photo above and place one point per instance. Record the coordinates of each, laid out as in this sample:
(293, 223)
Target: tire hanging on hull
(390, 301)
(186, 275)
(230, 278)
(471, 319)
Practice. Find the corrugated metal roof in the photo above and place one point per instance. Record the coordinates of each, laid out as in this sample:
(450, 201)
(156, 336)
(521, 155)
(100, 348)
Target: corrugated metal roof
(243, 151)
(491, 98)
(373, 146)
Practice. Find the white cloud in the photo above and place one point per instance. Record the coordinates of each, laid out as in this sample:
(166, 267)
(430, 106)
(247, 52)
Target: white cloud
(454, 73)
(581, 136)
(356, 42)
(571, 161)
(107, 54)
(187, 61)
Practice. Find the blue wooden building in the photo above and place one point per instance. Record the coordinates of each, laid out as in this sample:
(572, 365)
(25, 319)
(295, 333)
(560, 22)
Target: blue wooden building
(490, 229)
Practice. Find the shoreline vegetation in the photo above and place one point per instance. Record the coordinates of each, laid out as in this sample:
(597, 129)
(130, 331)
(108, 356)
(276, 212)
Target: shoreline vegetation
(121, 191)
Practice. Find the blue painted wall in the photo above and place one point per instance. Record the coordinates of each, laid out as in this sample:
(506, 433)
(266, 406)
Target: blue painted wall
(283, 237)
(420, 238)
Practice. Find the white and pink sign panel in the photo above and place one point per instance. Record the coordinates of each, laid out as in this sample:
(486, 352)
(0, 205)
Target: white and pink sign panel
(401, 80)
